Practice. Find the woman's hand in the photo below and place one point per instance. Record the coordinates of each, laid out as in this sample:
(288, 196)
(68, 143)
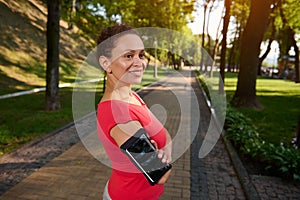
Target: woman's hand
(165, 154)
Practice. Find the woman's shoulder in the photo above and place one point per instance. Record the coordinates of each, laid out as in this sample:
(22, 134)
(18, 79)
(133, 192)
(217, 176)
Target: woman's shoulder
(141, 101)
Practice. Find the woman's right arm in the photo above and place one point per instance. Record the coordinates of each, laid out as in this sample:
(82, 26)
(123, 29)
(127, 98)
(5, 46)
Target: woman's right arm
(122, 132)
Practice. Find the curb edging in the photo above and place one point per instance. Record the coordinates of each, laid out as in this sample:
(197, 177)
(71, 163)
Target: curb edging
(242, 174)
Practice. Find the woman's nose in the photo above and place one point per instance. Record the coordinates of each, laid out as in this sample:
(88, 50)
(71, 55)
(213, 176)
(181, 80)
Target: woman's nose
(137, 60)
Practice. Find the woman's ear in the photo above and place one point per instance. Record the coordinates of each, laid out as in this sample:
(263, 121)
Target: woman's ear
(104, 62)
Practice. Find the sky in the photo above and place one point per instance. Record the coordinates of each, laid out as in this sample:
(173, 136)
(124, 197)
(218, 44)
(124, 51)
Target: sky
(215, 18)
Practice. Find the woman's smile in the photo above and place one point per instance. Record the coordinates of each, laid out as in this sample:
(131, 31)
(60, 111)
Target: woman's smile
(136, 72)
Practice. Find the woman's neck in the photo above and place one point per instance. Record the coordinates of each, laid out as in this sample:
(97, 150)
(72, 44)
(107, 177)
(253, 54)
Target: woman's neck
(121, 93)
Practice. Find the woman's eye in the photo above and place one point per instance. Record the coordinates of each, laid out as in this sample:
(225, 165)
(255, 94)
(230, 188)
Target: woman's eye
(128, 56)
(142, 55)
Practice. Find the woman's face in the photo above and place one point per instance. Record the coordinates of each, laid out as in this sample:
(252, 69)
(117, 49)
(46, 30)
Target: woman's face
(128, 60)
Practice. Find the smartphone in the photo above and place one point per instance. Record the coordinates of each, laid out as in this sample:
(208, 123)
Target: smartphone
(145, 156)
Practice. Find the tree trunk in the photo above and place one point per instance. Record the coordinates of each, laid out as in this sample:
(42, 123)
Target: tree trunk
(296, 49)
(263, 57)
(209, 49)
(203, 39)
(271, 39)
(52, 73)
(232, 53)
(291, 34)
(215, 49)
(155, 61)
(72, 15)
(298, 133)
(230, 58)
(245, 95)
(224, 45)
(214, 56)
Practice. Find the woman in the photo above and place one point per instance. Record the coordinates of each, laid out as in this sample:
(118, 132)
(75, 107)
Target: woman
(121, 113)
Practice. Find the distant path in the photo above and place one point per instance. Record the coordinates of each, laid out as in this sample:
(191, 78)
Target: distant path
(6, 96)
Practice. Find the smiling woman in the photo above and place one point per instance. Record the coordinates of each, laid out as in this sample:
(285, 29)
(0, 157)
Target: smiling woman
(122, 114)
(127, 62)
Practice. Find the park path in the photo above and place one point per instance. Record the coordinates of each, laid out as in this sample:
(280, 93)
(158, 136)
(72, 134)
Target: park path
(75, 174)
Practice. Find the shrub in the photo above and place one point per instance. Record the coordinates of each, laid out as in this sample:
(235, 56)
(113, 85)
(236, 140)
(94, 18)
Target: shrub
(244, 136)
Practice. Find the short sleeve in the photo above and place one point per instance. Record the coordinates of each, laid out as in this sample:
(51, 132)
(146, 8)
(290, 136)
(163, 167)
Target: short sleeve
(111, 113)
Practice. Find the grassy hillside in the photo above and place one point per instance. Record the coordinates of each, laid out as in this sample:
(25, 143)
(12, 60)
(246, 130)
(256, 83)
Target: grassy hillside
(23, 67)
(23, 46)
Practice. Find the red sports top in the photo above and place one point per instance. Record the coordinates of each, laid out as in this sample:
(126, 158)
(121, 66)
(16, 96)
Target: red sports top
(126, 181)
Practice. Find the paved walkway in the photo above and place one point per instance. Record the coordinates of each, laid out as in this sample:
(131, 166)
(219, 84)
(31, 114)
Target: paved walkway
(76, 174)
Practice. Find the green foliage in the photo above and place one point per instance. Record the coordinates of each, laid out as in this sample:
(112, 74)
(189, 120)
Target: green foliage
(292, 14)
(173, 14)
(240, 11)
(287, 19)
(86, 15)
(203, 84)
(91, 15)
(245, 137)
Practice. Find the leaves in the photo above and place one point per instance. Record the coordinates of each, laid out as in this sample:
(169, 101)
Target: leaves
(92, 15)
(281, 158)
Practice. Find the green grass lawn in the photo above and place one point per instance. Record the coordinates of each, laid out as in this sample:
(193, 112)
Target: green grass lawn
(281, 100)
(23, 118)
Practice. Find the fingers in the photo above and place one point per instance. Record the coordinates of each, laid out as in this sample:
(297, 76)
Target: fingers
(164, 156)
(154, 143)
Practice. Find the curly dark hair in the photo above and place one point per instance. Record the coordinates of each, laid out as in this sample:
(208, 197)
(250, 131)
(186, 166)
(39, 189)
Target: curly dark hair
(108, 37)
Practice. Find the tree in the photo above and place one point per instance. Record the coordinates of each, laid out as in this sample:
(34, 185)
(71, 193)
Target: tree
(211, 6)
(240, 13)
(172, 14)
(215, 48)
(289, 13)
(205, 4)
(270, 36)
(208, 6)
(245, 94)
(268, 49)
(224, 43)
(52, 72)
(68, 11)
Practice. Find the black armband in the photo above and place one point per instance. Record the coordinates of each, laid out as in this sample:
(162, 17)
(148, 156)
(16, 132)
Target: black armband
(144, 156)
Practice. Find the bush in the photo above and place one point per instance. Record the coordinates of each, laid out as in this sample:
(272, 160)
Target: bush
(244, 136)
(203, 84)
